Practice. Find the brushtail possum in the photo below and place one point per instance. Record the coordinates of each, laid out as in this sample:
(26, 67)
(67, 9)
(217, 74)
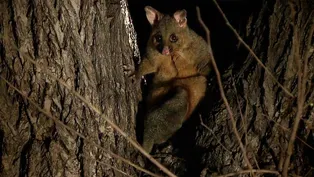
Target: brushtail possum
(180, 62)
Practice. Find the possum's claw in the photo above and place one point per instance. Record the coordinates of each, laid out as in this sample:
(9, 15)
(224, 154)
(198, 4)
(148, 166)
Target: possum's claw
(128, 70)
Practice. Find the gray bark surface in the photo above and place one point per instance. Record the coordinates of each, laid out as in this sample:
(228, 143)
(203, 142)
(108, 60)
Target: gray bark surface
(85, 44)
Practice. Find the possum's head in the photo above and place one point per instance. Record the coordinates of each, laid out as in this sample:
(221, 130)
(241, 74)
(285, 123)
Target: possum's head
(168, 32)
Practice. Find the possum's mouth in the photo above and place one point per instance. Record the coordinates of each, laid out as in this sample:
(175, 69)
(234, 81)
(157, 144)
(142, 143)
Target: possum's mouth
(164, 50)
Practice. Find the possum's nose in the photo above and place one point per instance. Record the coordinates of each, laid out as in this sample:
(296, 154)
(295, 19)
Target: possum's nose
(166, 50)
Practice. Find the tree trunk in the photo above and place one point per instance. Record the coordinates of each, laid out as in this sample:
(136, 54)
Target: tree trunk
(85, 44)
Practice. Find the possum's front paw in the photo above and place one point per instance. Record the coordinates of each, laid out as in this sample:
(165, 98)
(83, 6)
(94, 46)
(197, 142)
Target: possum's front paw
(139, 96)
(129, 71)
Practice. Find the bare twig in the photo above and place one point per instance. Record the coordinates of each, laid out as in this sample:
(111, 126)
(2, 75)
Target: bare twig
(244, 125)
(288, 130)
(250, 50)
(88, 140)
(302, 71)
(309, 172)
(111, 123)
(110, 166)
(249, 171)
(244, 122)
(222, 93)
(205, 126)
(213, 133)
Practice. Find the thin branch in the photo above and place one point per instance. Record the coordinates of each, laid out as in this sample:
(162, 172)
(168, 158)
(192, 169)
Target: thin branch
(110, 166)
(111, 123)
(88, 140)
(244, 122)
(249, 171)
(288, 130)
(219, 142)
(250, 50)
(302, 71)
(309, 172)
(222, 93)
(206, 127)
(244, 125)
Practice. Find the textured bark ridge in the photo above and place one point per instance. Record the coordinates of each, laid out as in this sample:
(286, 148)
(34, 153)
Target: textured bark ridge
(84, 43)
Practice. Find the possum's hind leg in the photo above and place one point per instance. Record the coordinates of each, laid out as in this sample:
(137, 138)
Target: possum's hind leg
(163, 121)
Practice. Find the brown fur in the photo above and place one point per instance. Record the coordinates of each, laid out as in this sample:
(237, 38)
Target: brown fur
(180, 60)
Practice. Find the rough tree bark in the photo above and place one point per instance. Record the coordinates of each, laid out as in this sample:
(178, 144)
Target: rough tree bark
(84, 43)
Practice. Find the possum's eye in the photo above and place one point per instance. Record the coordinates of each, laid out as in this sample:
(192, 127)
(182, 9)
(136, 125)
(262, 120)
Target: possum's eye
(158, 38)
(173, 38)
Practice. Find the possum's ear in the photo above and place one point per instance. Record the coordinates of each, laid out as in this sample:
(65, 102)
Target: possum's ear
(153, 16)
(180, 17)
